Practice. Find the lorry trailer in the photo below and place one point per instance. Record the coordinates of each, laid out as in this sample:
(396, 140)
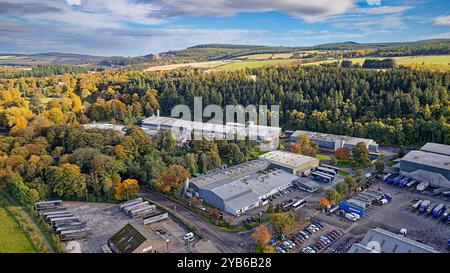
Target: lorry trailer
(438, 210)
(424, 205)
(352, 208)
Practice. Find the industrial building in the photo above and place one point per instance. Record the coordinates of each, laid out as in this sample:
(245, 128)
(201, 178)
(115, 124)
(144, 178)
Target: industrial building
(436, 148)
(334, 142)
(430, 163)
(105, 126)
(378, 240)
(186, 130)
(134, 238)
(291, 162)
(242, 187)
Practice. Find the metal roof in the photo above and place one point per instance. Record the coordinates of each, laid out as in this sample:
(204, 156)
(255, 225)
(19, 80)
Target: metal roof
(288, 159)
(230, 127)
(429, 159)
(229, 174)
(128, 239)
(242, 201)
(436, 148)
(331, 137)
(259, 183)
(388, 242)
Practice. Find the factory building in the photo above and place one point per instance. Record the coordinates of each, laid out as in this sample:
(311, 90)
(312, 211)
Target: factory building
(430, 163)
(240, 188)
(291, 162)
(184, 130)
(378, 240)
(334, 142)
(135, 238)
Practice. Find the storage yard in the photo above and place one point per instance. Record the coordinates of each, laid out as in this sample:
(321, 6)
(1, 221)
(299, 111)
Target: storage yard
(106, 220)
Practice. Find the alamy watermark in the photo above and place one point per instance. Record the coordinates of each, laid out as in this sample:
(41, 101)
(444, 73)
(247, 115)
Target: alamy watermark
(237, 123)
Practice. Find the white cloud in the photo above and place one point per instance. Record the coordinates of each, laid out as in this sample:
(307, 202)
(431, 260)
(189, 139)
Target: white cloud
(73, 2)
(309, 10)
(442, 21)
(384, 10)
(373, 2)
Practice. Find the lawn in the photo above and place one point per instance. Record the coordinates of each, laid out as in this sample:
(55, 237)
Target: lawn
(322, 157)
(12, 239)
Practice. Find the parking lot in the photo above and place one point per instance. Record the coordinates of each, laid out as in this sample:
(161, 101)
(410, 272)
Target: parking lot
(107, 219)
(313, 237)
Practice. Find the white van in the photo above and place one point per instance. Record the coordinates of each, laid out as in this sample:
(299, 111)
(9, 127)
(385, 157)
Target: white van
(188, 236)
(350, 217)
(356, 215)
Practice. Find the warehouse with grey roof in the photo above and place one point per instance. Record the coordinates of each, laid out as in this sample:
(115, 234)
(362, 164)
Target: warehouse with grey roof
(240, 188)
(334, 142)
(378, 240)
(431, 163)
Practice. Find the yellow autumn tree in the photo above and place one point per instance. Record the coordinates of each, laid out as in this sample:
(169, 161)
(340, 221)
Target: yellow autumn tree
(127, 189)
(261, 235)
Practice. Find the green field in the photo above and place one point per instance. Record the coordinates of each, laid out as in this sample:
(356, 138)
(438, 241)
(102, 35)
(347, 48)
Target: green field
(252, 64)
(12, 239)
(432, 59)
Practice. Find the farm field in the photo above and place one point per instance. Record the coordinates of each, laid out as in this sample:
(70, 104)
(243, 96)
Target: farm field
(204, 65)
(266, 56)
(431, 59)
(12, 239)
(253, 64)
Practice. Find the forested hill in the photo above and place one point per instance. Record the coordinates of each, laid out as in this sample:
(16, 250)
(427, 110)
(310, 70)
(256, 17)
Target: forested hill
(211, 52)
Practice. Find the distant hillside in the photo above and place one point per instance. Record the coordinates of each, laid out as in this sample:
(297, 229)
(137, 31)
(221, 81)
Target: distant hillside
(212, 52)
(48, 58)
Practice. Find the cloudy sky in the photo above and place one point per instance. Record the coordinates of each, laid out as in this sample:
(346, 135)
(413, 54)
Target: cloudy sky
(139, 27)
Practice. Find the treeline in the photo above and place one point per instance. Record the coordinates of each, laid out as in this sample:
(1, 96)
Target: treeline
(378, 64)
(413, 49)
(43, 71)
(124, 61)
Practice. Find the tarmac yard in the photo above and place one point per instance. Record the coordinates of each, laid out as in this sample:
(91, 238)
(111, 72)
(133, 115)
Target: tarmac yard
(107, 219)
(394, 216)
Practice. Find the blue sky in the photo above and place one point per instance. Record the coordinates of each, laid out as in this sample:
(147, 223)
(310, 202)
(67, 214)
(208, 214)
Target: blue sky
(139, 27)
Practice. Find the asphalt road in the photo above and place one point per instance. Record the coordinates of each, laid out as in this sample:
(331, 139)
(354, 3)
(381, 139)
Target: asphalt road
(227, 242)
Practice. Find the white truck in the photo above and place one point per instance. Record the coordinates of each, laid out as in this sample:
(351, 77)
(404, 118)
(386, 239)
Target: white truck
(422, 186)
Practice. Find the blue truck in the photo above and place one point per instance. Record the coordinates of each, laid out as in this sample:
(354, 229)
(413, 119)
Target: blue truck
(388, 196)
(404, 181)
(438, 210)
(395, 180)
(352, 208)
(424, 206)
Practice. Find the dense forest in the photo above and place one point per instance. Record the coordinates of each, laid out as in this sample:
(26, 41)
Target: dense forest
(44, 148)
(41, 71)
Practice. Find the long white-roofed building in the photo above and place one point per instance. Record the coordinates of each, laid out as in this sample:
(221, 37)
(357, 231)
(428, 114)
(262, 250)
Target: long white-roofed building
(184, 130)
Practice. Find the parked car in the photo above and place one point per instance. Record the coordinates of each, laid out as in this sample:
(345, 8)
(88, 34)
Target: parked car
(305, 234)
(318, 224)
(287, 245)
(280, 250)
